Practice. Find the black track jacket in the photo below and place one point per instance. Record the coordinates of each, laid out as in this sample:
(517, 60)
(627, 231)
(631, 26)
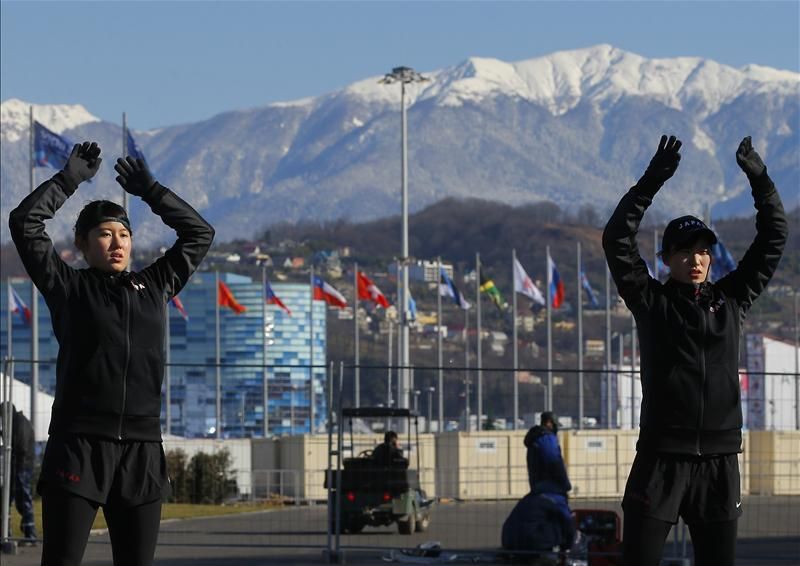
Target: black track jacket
(110, 328)
(689, 337)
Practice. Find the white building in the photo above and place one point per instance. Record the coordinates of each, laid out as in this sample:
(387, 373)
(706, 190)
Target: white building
(769, 388)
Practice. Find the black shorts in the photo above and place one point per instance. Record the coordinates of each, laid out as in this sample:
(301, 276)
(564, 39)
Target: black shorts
(108, 472)
(701, 489)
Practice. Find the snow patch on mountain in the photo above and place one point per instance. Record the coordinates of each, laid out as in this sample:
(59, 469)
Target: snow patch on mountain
(602, 74)
(15, 120)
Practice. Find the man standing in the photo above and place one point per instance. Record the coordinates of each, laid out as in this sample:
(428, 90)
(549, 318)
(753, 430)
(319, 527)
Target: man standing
(22, 452)
(546, 470)
(689, 330)
(542, 520)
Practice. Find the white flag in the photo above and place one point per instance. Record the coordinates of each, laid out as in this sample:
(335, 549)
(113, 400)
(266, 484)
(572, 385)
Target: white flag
(525, 285)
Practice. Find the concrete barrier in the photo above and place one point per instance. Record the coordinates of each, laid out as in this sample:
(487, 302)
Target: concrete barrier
(592, 462)
(774, 462)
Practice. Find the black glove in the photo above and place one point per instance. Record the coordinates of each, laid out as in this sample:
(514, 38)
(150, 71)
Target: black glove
(82, 164)
(134, 176)
(662, 166)
(749, 159)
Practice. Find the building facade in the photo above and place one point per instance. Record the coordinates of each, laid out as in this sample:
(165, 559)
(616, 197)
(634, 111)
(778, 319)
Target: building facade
(263, 350)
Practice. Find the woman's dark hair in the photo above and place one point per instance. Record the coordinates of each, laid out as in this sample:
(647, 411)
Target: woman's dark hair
(97, 212)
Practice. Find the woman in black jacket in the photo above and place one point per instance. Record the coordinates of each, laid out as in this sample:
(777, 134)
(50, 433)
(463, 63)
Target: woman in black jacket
(689, 329)
(104, 448)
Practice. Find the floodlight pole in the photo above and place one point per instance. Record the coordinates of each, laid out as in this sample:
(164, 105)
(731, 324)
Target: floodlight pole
(403, 75)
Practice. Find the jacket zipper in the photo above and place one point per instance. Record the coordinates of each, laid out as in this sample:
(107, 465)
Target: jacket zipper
(127, 301)
(702, 379)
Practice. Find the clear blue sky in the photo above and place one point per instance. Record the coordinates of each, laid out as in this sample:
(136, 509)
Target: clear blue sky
(172, 62)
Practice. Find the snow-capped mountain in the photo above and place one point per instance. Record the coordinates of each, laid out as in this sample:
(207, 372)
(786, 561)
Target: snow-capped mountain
(574, 127)
(15, 118)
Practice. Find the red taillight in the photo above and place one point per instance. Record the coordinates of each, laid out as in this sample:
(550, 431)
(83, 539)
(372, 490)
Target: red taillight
(387, 496)
(351, 496)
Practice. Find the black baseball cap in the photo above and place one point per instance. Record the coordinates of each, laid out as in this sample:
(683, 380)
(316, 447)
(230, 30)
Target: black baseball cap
(684, 230)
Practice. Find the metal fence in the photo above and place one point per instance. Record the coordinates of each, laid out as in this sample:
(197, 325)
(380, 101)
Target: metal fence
(474, 477)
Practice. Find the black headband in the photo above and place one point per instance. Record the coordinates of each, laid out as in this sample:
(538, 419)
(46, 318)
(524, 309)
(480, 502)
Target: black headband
(121, 219)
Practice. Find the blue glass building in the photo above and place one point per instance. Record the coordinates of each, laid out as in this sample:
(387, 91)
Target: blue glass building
(264, 333)
(21, 336)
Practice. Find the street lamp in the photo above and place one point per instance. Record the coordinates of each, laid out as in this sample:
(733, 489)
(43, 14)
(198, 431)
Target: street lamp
(430, 407)
(417, 393)
(404, 76)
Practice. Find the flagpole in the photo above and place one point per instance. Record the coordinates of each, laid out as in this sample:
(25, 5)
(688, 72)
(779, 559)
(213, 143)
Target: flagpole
(9, 321)
(439, 343)
(633, 371)
(480, 343)
(398, 373)
(466, 371)
(514, 337)
(218, 383)
(579, 300)
(549, 388)
(167, 371)
(311, 357)
(608, 346)
(264, 352)
(356, 356)
(655, 254)
(124, 154)
(34, 307)
(621, 354)
(389, 364)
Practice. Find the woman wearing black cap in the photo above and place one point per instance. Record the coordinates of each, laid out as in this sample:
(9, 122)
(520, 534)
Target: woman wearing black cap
(689, 329)
(104, 448)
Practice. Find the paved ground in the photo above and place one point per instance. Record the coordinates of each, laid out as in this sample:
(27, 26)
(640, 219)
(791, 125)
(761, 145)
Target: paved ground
(769, 534)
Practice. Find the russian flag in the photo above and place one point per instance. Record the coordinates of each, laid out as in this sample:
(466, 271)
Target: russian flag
(17, 305)
(555, 282)
(176, 302)
(272, 298)
(325, 292)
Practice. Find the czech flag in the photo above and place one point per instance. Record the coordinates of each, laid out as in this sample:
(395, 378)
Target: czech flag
(176, 302)
(272, 298)
(555, 283)
(17, 305)
(368, 291)
(225, 298)
(325, 292)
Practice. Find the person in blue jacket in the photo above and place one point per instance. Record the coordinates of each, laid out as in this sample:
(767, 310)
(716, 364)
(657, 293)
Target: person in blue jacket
(542, 520)
(546, 470)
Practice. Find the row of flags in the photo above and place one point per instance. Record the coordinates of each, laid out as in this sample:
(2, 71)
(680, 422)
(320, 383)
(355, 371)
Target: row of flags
(323, 291)
(52, 150)
(369, 291)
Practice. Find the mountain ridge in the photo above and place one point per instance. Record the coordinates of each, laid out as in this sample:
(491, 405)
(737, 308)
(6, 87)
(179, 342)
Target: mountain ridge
(574, 127)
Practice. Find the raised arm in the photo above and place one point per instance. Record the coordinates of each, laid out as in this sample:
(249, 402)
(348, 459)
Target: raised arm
(619, 237)
(173, 269)
(26, 222)
(761, 259)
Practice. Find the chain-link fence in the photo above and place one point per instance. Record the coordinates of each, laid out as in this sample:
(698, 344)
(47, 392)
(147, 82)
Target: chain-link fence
(470, 472)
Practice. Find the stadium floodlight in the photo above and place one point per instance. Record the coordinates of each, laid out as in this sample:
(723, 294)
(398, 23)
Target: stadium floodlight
(404, 76)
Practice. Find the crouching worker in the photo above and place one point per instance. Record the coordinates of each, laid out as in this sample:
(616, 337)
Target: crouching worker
(542, 520)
